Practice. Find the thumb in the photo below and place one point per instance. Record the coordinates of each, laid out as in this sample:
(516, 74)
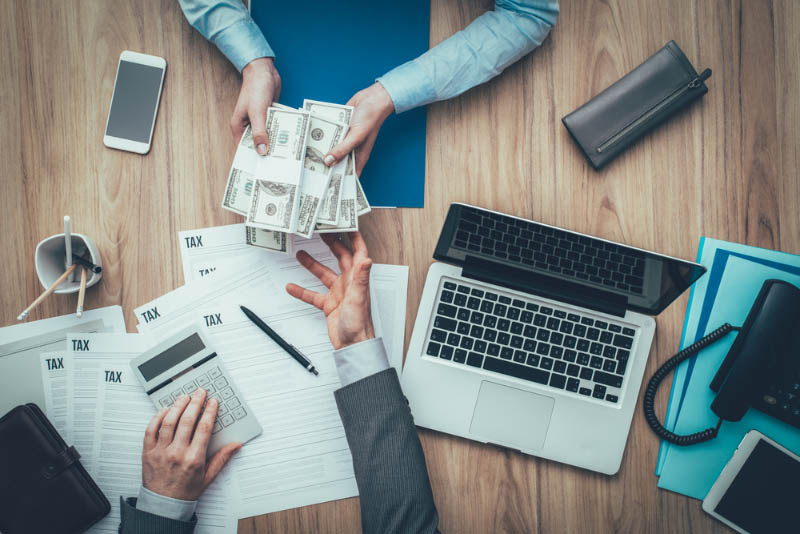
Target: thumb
(219, 460)
(350, 142)
(361, 276)
(257, 115)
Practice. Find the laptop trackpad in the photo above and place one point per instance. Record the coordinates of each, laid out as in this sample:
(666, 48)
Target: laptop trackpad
(511, 417)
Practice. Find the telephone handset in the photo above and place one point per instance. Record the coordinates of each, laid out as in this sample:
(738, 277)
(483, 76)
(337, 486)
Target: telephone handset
(761, 369)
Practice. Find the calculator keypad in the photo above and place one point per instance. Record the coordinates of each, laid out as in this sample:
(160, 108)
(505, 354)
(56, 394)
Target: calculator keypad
(217, 387)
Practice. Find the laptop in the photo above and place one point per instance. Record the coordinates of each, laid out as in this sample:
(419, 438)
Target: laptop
(536, 338)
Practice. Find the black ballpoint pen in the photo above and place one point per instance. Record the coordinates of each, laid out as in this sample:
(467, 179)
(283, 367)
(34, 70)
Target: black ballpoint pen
(293, 352)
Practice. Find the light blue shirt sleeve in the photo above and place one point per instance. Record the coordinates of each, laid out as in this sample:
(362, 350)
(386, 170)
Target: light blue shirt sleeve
(156, 504)
(228, 24)
(472, 56)
(360, 360)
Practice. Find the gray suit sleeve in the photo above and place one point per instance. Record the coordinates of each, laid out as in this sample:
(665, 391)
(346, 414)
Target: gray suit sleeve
(135, 521)
(388, 460)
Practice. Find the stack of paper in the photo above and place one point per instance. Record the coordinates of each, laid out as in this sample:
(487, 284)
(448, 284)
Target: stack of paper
(725, 294)
(302, 456)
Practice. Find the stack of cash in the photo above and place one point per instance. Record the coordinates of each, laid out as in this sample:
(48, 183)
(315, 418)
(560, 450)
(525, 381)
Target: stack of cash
(290, 190)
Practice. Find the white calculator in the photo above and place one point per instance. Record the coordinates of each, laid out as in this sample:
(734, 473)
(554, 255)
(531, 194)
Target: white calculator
(185, 362)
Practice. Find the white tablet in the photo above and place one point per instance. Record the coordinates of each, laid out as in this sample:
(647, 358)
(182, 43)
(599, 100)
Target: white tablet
(758, 492)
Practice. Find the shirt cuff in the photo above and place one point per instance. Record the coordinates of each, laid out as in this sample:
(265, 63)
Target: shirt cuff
(409, 86)
(242, 43)
(156, 504)
(360, 360)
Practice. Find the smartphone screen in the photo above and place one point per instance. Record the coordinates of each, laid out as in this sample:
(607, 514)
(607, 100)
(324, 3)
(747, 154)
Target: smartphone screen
(133, 106)
(763, 496)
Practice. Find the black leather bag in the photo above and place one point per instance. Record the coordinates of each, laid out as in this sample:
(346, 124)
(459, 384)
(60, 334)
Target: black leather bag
(641, 100)
(43, 486)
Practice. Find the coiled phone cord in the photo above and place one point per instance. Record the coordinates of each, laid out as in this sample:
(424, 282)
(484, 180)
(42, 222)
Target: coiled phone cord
(652, 387)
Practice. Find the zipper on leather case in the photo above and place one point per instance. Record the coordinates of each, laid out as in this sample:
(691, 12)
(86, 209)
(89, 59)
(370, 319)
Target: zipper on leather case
(680, 91)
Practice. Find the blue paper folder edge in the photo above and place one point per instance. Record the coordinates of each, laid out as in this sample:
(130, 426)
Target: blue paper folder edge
(665, 444)
(716, 271)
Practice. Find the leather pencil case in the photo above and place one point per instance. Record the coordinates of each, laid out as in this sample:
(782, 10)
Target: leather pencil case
(43, 486)
(634, 105)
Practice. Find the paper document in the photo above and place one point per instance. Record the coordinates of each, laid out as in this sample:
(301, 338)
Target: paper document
(21, 345)
(389, 285)
(302, 456)
(124, 410)
(204, 249)
(55, 377)
(90, 354)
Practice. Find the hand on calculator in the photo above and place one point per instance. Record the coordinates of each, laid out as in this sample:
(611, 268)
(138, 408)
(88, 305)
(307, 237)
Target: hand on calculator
(346, 305)
(174, 452)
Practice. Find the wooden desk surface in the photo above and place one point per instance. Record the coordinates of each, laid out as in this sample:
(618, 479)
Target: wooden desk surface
(728, 169)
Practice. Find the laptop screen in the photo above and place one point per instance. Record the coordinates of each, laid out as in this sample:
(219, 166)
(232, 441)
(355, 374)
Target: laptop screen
(647, 281)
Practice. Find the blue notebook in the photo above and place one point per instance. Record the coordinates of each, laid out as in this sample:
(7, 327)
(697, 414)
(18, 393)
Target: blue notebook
(331, 50)
(725, 294)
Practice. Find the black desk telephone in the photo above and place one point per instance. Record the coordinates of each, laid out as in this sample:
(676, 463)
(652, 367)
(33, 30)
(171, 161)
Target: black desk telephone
(761, 370)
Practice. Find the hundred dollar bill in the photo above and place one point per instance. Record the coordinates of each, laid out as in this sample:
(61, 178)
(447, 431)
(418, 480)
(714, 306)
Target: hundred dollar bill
(323, 135)
(239, 189)
(275, 199)
(270, 240)
(348, 217)
(362, 204)
(329, 211)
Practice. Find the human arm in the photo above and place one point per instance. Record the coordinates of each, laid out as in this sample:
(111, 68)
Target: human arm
(478, 53)
(174, 468)
(228, 25)
(388, 460)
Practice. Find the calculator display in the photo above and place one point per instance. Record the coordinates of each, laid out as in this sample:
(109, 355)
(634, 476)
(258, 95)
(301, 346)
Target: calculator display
(171, 357)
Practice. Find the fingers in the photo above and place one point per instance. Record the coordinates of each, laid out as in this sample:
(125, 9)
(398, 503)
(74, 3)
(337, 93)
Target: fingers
(358, 244)
(363, 152)
(325, 274)
(238, 123)
(202, 435)
(219, 460)
(341, 252)
(306, 295)
(151, 432)
(257, 113)
(183, 435)
(170, 422)
(351, 141)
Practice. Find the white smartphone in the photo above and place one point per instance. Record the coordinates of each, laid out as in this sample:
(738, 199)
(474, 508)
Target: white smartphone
(134, 104)
(757, 490)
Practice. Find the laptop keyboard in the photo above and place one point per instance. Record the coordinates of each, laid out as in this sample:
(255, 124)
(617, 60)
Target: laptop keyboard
(525, 339)
(551, 249)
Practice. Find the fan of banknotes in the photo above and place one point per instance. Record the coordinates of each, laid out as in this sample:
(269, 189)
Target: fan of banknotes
(290, 190)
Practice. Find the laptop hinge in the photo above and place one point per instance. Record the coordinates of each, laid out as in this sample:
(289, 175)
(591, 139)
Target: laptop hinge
(544, 286)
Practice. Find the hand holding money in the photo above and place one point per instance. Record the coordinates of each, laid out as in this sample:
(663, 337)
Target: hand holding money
(289, 189)
(371, 106)
(261, 84)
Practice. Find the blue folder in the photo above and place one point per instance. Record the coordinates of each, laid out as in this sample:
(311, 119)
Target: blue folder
(331, 50)
(736, 273)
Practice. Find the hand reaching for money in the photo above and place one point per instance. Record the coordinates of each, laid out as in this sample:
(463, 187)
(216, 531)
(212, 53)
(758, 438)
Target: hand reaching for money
(261, 85)
(372, 106)
(347, 303)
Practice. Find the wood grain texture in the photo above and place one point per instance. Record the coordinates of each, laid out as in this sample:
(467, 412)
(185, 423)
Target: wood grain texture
(727, 168)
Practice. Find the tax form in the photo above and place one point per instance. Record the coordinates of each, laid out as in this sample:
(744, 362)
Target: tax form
(302, 456)
(124, 410)
(205, 250)
(55, 376)
(21, 345)
(202, 250)
(90, 353)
